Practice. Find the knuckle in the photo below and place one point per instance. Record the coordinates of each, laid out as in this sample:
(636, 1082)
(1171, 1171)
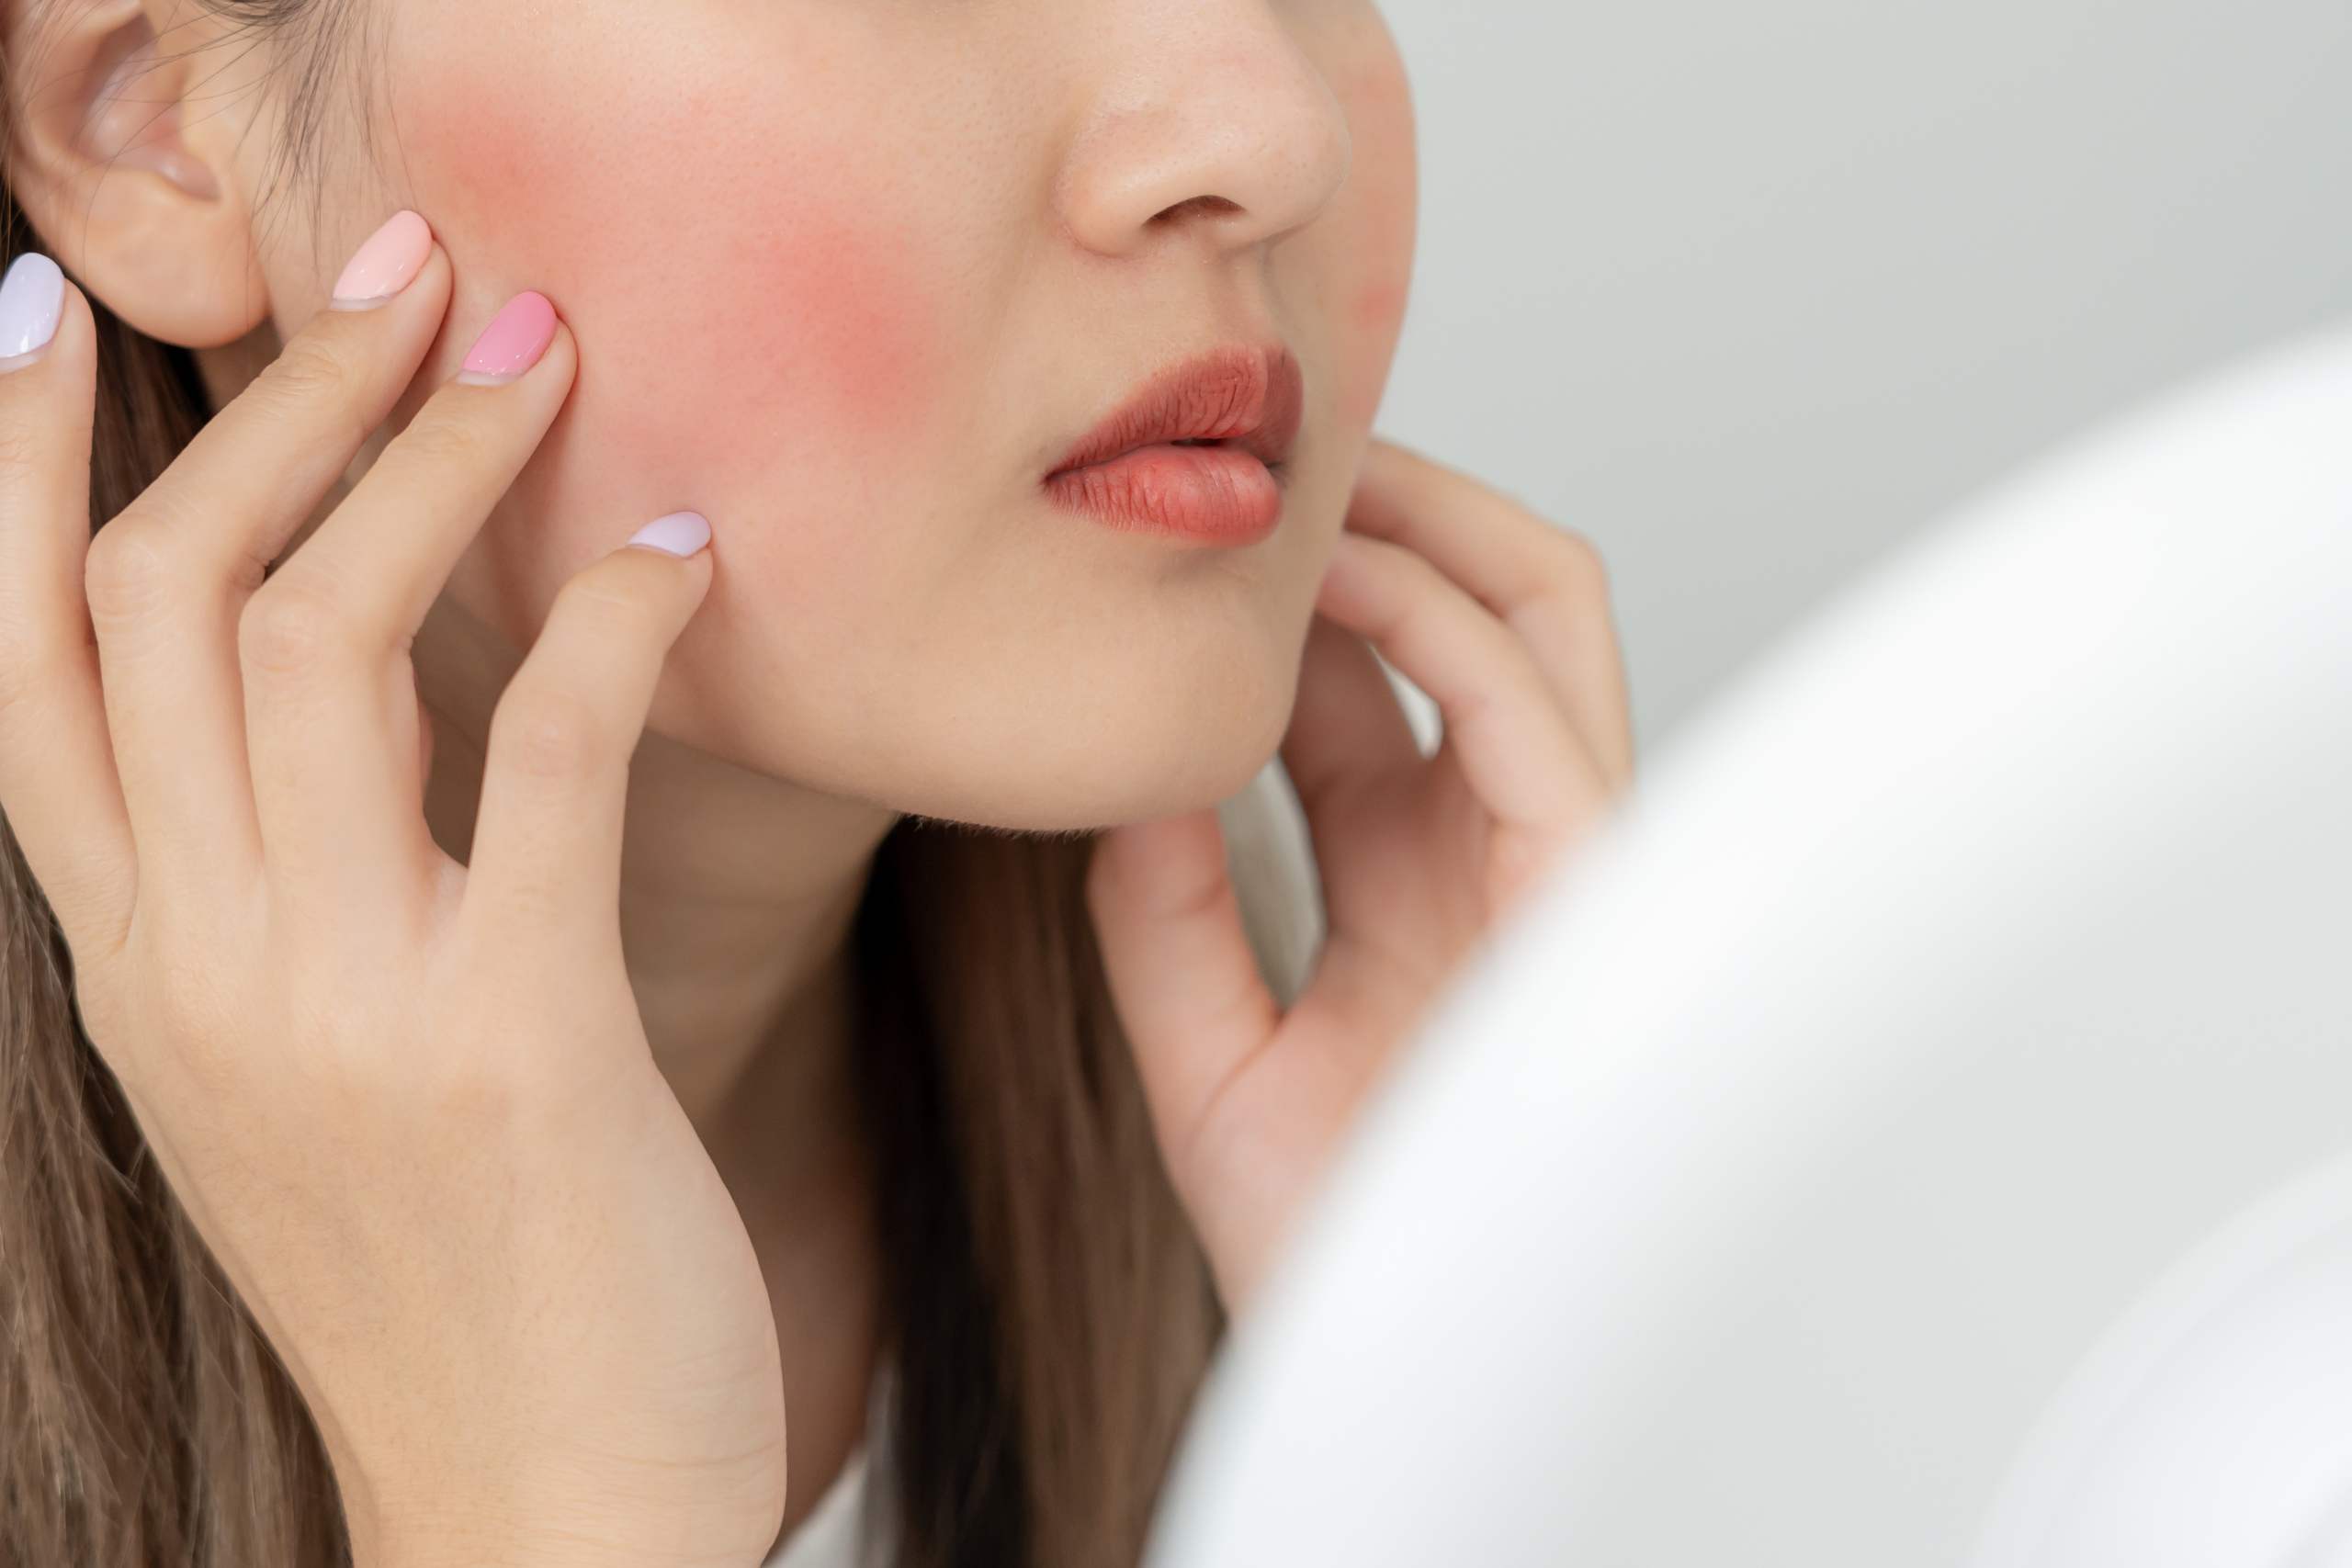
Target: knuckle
(99, 1002)
(311, 369)
(548, 732)
(22, 451)
(26, 667)
(20, 674)
(177, 1009)
(475, 1088)
(600, 603)
(1577, 562)
(288, 625)
(126, 572)
(443, 437)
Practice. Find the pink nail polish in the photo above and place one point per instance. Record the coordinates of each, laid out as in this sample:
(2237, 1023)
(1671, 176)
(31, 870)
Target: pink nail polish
(513, 342)
(384, 264)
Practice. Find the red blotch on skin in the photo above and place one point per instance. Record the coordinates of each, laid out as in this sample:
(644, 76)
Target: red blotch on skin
(1379, 307)
(826, 315)
(1372, 229)
(1375, 316)
(724, 282)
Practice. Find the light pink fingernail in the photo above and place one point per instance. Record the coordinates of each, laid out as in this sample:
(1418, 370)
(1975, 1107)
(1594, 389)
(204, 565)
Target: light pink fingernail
(513, 342)
(384, 264)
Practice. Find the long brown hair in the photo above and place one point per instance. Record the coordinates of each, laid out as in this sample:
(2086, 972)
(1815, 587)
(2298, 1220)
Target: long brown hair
(1049, 1314)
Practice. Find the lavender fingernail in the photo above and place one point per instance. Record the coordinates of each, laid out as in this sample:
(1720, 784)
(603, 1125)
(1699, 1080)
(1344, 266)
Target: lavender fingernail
(32, 298)
(679, 534)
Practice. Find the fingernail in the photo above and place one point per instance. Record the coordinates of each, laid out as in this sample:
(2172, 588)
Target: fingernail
(32, 298)
(384, 264)
(513, 342)
(679, 534)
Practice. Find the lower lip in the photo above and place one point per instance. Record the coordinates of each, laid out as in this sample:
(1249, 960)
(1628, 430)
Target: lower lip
(1218, 495)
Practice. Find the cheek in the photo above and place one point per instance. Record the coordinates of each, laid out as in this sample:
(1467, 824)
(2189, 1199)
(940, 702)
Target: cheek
(788, 328)
(737, 298)
(1377, 221)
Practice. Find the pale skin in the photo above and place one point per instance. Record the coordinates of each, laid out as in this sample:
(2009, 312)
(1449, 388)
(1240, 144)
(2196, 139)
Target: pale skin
(464, 906)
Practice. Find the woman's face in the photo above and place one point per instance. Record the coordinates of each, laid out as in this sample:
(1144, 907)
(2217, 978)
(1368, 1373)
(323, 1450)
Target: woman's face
(849, 276)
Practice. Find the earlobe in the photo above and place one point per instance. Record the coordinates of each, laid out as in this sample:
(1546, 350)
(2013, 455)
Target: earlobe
(120, 158)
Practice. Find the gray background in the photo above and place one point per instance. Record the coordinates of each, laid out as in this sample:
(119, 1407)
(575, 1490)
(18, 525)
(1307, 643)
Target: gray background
(1749, 293)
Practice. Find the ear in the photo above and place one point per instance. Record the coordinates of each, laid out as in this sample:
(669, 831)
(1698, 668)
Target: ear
(123, 157)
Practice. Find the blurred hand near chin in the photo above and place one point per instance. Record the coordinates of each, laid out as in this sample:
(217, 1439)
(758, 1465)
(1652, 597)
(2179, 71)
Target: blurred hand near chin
(1503, 619)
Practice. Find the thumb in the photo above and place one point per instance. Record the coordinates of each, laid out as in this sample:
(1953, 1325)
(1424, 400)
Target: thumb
(1180, 966)
(547, 846)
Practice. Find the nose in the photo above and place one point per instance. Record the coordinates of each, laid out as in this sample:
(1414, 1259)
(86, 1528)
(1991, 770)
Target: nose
(1210, 120)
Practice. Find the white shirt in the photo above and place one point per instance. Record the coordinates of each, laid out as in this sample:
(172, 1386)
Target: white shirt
(837, 1533)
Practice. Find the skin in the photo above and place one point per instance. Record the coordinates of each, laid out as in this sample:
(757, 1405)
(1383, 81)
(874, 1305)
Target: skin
(847, 279)
(863, 286)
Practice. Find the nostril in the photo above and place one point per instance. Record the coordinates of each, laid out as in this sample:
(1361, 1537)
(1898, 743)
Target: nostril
(1217, 206)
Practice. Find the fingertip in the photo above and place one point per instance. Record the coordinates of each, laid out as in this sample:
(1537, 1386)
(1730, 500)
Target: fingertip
(78, 329)
(561, 340)
(1136, 858)
(44, 320)
(436, 275)
(558, 363)
(682, 535)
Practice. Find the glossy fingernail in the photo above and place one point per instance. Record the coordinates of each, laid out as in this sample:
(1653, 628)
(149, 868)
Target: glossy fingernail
(32, 299)
(679, 533)
(385, 263)
(513, 342)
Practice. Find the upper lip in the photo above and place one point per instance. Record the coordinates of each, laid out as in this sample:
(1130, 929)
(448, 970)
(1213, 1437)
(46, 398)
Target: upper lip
(1247, 395)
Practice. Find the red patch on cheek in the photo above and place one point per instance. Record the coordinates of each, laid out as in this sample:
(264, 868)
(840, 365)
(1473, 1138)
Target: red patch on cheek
(1379, 308)
(775, 371)
(827, 317)
(1377, 220)
(1375, 314)
(724, 293)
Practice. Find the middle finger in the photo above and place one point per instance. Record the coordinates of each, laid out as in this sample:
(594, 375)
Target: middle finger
(330, 694)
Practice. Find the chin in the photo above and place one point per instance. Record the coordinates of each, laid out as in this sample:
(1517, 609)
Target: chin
(1158, 749)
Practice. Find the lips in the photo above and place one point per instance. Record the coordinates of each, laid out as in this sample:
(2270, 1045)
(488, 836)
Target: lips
(1199, 453)
(1249, 396)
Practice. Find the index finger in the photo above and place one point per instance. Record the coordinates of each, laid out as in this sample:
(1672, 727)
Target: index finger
(58, 787)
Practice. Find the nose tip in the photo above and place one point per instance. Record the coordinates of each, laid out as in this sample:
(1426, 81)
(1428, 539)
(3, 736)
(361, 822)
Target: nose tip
(1237, 137)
